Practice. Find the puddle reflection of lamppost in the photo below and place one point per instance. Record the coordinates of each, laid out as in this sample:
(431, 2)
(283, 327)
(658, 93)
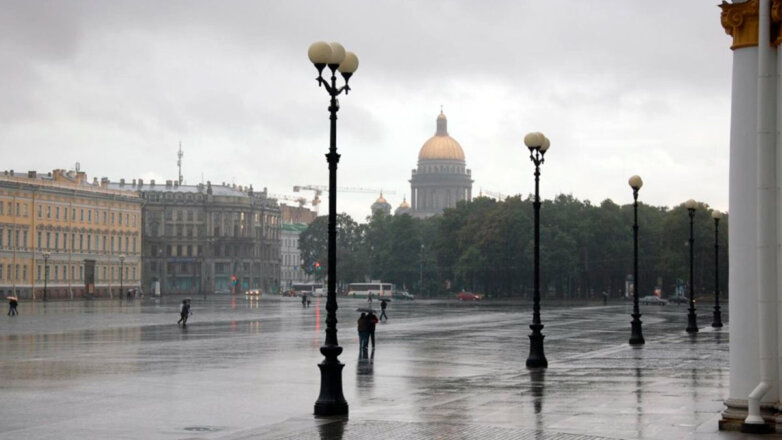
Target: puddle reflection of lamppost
(692, 324)
(717, 317)
(636, 335)
(537, 144)
(331, 401)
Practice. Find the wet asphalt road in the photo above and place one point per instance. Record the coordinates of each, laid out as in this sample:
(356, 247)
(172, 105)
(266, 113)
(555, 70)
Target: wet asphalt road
(246, 368)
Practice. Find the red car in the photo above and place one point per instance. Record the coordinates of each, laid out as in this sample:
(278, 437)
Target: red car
(468, 296)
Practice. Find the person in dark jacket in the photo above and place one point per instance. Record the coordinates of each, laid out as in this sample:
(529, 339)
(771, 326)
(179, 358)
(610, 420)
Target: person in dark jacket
(383, 305)
(12, 303)
(372, 320)
(363, 331)
(184, 312)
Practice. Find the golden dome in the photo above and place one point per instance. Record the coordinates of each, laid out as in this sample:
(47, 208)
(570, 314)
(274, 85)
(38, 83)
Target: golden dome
(404, 204)
(381, 199)
(441, 146)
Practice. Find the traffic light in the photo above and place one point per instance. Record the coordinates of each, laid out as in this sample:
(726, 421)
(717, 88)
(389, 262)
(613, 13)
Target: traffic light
(317, 266)
(234, 280)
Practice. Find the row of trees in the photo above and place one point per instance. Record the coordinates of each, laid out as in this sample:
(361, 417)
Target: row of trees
(487, 245)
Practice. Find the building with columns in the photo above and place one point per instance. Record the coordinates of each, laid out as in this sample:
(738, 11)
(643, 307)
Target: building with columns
(200, 238)
(442, 178)
(65, 237)
(754, 231)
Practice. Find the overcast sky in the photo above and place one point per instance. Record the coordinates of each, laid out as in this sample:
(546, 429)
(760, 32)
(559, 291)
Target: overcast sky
(620, 87)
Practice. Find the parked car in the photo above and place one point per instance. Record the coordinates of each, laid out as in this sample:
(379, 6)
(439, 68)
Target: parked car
(678, 300)
(403, 295)
(468, 296)
(652, 300)
(254, 292)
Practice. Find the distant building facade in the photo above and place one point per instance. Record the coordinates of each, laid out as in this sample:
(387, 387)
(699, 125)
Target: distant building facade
(202, 238)
(295, 220)
(442, 178)
(83, 233)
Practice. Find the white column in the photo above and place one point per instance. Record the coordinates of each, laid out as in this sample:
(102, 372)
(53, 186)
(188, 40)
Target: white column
(742, 235)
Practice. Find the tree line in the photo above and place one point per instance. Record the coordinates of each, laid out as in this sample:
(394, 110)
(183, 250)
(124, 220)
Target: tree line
(486, 246)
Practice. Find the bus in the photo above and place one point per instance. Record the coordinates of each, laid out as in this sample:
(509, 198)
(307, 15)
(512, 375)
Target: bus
(377, 289)
(309, 289)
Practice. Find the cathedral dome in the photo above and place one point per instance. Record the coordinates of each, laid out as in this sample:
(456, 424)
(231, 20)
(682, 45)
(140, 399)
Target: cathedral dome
(441, 146)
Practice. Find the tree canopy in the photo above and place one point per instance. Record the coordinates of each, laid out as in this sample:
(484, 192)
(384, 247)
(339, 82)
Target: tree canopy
(486, 246)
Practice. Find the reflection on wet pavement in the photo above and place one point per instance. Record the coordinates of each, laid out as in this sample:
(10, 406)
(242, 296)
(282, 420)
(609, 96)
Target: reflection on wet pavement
(247, 368)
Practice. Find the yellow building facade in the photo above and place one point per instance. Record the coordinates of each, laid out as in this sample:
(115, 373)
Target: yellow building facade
(63, 237)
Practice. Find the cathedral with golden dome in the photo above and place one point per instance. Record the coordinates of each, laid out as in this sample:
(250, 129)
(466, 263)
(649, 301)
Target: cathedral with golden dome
(442, 178)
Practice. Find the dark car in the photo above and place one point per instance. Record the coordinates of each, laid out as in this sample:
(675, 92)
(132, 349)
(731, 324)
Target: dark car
(652, 300)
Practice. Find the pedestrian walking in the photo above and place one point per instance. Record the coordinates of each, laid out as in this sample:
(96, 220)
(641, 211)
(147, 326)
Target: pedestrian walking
(369, 299)
(363, 331)
(304, 299)
(184, 312)
(12, 303)
(383, 305)
(372, 320)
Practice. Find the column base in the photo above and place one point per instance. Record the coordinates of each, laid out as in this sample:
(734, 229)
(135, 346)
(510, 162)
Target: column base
(736, 411)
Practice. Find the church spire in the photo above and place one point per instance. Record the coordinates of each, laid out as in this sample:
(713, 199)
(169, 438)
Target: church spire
(442, 124)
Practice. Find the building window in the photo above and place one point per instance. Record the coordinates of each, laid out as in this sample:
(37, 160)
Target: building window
(112, 218)
(57, 212)
(81, 242)
(48, 240)
(127, 240)
(81, 215)
(56, 241)
(81, 273)
(104, 273)
(40, 241)
(56, 272)
(48, 211)
(89, 242)
(24, 273)
(39, 272)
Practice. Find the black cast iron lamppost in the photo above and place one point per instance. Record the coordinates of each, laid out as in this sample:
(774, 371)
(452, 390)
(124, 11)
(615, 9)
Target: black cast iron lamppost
(717, 317)
(692, 324)
(121, 264)
(636, 335)
(45, 274)
(331, 401)
(537, 144)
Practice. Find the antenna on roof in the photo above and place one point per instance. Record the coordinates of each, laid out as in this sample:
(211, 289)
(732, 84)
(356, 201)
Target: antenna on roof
(179, 161)
(78, 167)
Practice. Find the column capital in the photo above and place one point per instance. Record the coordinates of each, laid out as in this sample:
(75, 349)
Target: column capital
(740, 21)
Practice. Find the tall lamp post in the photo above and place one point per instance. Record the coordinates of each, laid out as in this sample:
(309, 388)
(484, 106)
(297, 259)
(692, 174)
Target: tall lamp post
(717, 317)
(331, 401)
(636, 335)
(121, 264)
(692, 319)
(45, 275)
(537, 144)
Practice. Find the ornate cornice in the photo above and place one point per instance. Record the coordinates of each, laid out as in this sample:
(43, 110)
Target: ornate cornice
(740, 21)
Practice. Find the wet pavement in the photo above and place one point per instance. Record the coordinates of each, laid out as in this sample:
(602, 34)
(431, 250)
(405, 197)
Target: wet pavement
(247, 368)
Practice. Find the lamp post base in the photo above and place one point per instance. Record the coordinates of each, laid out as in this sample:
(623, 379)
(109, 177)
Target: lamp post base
(636, 335)
(536, 357)
(717, 318)
(331, 401)
(692, 324)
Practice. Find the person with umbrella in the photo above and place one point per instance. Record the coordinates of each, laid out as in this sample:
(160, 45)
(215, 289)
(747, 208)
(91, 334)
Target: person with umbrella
(12, 303)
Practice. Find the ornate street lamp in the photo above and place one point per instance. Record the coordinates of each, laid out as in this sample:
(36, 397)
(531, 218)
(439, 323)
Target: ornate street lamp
(636, 336)
(717, 317)
(46, 256)
(537, 144)
(692, 324)
(121, 263)
(331, 401)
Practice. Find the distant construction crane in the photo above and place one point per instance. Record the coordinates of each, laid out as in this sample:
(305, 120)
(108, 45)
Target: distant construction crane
(298, 199)
(492, 194)
(320, 189)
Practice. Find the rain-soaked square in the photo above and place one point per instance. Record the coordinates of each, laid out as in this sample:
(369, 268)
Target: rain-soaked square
(246, 368)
